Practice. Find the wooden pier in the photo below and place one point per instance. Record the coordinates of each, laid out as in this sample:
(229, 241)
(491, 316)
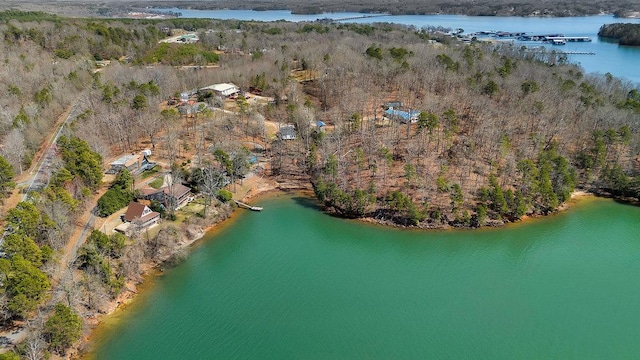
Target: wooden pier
(247, 206)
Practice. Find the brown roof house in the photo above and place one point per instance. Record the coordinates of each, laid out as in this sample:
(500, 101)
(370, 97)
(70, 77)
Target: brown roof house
(175, 196)
(139, 214)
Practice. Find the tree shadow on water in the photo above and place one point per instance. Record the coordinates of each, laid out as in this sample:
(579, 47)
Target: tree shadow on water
(315, 204)
(307, 202)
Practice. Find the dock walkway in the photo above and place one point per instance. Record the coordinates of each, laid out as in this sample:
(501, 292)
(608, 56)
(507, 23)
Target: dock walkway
(247, 206)
(568, 38)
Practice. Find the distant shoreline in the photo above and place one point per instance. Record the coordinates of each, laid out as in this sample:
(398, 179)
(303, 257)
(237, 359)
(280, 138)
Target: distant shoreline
(411, 7)
(541, 9)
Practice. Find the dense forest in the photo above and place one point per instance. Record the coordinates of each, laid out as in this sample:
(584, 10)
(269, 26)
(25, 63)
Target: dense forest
(499, 135)
(625, 34)
(398, 124)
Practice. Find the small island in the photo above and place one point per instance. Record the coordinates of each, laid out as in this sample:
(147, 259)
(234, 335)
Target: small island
(625, 34)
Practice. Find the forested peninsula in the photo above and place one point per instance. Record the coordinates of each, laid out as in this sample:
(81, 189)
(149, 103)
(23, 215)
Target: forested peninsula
(103, 119)
(625, 34)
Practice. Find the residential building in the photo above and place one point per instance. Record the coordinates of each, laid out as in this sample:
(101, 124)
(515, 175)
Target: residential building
(287, 132)
(129, 162)
(223, 89)
(138, 214)
(135, 163)
(176, 195)
(402, 116)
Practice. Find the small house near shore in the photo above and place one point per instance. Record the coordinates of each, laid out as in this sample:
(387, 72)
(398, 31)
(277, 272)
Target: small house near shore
(138, 214)
(176, 195)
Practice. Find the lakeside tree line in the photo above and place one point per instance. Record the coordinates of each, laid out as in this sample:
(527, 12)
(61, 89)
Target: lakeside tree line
(499, 133)
(625, 34)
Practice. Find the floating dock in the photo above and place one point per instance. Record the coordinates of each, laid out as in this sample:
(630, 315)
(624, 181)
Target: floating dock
(568, 38)
(554, 38)
(561, 52)
(522, 36)
(538, 37)
(247, 206)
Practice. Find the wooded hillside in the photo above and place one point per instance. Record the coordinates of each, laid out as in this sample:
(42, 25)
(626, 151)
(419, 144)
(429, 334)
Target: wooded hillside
(484, 110)
(403, 125)
(498, 129)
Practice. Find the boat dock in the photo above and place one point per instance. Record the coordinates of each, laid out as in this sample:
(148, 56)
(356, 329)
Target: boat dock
(521, 36)
(538, 37)
(554, 38)
(568, 38)
(576, 53)
(247, 206)
(561, 52)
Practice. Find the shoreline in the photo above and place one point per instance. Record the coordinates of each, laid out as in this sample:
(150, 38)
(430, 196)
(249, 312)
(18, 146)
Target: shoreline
(133, 289)
(385, 11)
(262, 188)
(489, 224)
(141, 9)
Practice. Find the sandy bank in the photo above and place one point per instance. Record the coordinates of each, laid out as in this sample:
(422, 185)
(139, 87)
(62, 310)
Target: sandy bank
(580, 193)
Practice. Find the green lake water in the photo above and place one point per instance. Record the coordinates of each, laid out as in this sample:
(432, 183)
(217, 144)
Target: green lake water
(293, 283)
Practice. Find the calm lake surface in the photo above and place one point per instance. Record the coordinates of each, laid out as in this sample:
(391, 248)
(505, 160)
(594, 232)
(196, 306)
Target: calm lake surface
(294, 283)
(620, 61)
